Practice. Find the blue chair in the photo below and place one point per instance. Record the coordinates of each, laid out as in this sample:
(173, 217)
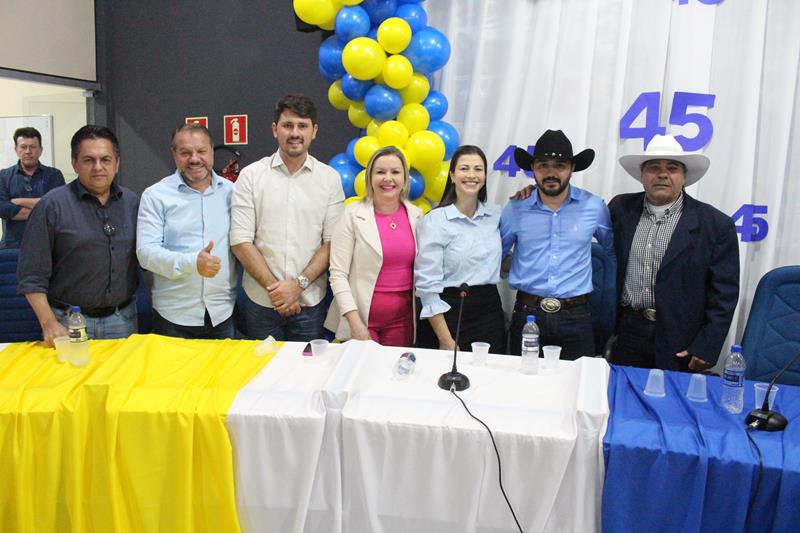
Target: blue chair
(603, 301)
(18, 322)
(772, 334)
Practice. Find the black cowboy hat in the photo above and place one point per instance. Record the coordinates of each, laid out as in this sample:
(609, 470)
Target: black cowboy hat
(553, 143)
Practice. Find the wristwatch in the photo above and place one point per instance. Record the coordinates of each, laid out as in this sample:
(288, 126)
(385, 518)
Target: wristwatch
(303, 281)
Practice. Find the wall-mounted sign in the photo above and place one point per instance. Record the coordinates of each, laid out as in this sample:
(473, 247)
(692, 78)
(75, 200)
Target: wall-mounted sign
(197, 120)
(235, 129)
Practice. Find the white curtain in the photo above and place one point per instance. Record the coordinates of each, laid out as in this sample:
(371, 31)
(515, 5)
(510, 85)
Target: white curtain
(519, 67)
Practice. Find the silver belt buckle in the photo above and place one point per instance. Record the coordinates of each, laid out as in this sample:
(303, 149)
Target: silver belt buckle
(550, 305)
(649, 314)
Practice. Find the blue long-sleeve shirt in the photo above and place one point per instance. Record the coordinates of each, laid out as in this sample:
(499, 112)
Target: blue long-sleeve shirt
(14, 183)
(553, 250)
(455, 249)
(176, 222)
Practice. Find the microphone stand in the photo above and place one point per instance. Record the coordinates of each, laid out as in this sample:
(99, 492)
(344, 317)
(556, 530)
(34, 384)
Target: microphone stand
(455, 379)
(765, 418)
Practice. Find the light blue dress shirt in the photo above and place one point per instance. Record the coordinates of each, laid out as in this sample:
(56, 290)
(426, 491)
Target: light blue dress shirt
(176, 222)
(553, 250)
(455, 249)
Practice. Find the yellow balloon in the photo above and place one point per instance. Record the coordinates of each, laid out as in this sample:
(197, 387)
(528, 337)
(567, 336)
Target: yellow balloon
(358, 115)
(337, 98)
(364, 148)
(417, 89)
(414, 117)
(405, 154)
(328, 25)
(393, 133)
(363, 58)
(397, 72)
(315, 11)
(372, 128)
(425, 149)
(360, 183)
(351, 2)
(422, 203)
(435, 182)
(353, 199)
(394, 34)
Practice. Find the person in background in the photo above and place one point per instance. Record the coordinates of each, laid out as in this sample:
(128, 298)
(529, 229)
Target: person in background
(23, 185)
(283, 211)
(182, 238)
(459, 242)
(372, 258)
(80, 245)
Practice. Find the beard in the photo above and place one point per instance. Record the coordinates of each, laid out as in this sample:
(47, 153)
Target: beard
(553, 192)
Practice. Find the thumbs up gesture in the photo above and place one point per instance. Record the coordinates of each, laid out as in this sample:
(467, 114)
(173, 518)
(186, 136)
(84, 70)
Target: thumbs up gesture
(208, 265)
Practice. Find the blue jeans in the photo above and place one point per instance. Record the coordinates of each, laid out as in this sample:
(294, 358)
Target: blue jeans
(265, 321)
(569, 328)
(118, 325)
(223, 330)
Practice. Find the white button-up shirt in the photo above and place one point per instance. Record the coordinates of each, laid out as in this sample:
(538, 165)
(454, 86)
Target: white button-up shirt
(287, 218)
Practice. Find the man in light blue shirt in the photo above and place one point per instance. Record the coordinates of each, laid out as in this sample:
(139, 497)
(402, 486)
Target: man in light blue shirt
(551, 237)
(182, 238)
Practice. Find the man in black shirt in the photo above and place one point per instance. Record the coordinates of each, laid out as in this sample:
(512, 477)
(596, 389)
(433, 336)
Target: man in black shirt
(80, 245)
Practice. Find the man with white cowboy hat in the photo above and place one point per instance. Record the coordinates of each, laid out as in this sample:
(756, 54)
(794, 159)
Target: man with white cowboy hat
(551, 236)
(677, 264)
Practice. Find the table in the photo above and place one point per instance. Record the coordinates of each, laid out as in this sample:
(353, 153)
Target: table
(676, 465)
(337, 444)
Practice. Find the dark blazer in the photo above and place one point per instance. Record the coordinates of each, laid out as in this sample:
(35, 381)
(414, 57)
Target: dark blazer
(697, 284)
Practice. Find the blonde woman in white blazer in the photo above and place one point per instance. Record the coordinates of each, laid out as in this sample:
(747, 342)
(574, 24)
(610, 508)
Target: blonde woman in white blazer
(372, 258)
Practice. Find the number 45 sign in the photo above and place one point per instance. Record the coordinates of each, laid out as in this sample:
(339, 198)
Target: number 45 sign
(650, 105)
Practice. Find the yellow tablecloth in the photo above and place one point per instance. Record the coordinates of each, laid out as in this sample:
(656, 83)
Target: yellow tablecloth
(135, 441)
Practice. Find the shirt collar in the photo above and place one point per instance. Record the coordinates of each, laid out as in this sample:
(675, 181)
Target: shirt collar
(673, 208)
(574, 195)
(278, 162)
(39, 168)
(176, 181)
(452, 212)
(114, 192)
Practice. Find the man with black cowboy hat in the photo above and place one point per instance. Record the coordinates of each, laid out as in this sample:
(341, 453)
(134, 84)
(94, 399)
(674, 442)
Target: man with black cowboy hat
(551, 236)
(678, 264)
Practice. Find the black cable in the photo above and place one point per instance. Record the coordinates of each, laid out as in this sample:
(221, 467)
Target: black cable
(752, 501)
(497, 453)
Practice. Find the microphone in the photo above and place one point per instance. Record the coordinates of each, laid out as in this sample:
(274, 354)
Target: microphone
(455, 379)
(764, 418)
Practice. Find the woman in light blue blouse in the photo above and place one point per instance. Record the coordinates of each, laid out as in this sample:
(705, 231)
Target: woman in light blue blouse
(459, 242)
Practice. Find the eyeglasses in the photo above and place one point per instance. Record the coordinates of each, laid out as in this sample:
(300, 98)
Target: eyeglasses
(108, 228)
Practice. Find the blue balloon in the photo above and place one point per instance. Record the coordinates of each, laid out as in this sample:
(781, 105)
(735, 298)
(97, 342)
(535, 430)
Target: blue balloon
(436, 104)
(401, 2)
(417, 184)
(348, 175)
(428, 51)
(330, 57)
(350, 154)
(355, 89)
(339, 160)
(382, 102)
(351, 22)
(414, 14)
(379, 10)
(449, 135)
(373, 32)
(325, 74)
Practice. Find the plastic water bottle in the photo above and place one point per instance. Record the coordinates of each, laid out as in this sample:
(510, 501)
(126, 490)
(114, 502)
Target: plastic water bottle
(405, 365)
(530, 346)
(79, 340)
(733, 380)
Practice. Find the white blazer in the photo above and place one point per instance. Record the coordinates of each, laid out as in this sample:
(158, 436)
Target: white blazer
(356, 260)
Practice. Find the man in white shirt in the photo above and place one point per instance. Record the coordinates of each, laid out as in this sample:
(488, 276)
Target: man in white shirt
(283, 211)
(182, 238)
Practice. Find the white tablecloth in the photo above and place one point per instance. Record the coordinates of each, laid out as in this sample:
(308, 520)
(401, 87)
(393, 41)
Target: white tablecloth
(335, 443)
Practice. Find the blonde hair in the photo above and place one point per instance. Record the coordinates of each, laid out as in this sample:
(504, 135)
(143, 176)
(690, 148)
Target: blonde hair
(385, 151)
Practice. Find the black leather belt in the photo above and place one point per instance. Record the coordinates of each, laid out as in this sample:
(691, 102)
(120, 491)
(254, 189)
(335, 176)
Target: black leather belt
(648, 314)
(551, 305)
(97, 312)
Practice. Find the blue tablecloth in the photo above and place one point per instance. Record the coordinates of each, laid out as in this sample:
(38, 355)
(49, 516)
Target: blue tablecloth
(676, 465)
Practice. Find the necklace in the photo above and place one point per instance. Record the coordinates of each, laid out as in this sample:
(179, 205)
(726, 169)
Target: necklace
(392, 224)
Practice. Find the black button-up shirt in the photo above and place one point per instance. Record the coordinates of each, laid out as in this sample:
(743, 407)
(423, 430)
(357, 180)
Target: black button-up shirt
(78, 251)
(14, 183)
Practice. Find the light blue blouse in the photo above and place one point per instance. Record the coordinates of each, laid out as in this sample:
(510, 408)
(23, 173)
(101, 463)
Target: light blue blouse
(455, 249)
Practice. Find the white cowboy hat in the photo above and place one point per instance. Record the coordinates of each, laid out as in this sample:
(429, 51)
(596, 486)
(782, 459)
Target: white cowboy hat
(666, 147)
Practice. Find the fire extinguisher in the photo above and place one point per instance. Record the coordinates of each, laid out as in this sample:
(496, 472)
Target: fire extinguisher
(231, 168)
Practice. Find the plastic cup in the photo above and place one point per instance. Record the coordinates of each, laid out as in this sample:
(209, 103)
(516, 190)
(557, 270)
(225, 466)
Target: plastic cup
(80, 353)
(63, 349)
(267, 347)
(551, 356)
(655, 383)
(318, 347)
(761, 391)
(479, 352)
(697, 391)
